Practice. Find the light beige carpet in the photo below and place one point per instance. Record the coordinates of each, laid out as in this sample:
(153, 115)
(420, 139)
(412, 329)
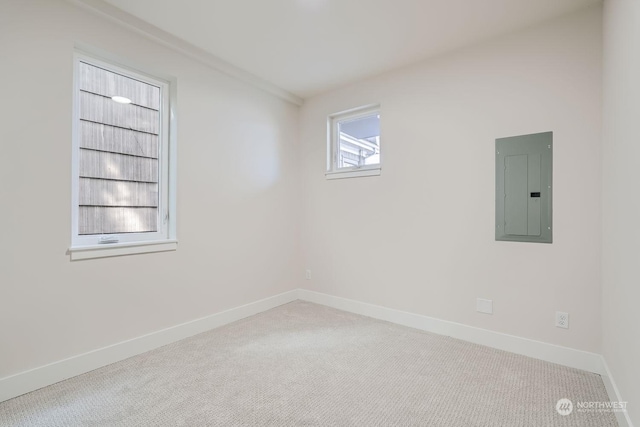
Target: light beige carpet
(303, 364)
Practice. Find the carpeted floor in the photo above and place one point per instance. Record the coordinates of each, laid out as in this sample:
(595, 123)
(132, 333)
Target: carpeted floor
(303, 364)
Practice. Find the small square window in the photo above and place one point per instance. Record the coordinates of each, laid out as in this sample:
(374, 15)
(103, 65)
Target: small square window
(354, 143)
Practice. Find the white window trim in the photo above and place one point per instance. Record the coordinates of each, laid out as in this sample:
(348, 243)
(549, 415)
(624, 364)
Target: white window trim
(118, 249)
(354, 172)
(333, 141)
(87, 247)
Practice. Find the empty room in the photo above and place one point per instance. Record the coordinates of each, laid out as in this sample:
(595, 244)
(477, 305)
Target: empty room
(320, 213)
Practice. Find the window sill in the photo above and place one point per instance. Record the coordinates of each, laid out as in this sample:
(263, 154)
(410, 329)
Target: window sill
(119, 249)
(353, 173)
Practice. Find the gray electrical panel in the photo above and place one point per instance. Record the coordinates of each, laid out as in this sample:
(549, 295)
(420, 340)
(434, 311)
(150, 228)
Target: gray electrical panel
(523, 188)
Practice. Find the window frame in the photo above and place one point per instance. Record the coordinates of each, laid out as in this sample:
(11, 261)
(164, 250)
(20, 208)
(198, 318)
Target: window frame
(333, 144)
(89, 246)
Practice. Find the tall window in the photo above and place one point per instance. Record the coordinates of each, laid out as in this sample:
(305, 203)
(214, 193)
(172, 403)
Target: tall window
(121, 157)
(354, 143)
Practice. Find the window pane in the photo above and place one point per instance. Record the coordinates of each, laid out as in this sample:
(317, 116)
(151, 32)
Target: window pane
(359, 141)
(118, 159)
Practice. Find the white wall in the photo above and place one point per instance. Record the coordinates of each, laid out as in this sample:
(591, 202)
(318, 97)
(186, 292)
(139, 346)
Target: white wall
(420, 237)
(237, 196)
(621, 204)
(423, 235)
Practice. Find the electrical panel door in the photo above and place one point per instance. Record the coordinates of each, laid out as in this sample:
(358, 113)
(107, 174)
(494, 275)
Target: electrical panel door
(523, 188)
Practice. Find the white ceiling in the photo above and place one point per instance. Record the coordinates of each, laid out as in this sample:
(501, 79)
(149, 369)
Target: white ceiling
(309, 46)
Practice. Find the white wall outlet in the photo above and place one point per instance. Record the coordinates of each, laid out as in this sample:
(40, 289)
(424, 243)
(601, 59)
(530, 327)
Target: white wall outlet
(307, 274)
(484, 305)
(562, 319)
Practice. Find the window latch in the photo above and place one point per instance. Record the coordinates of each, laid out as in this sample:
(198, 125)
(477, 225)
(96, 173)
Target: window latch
(108, 239)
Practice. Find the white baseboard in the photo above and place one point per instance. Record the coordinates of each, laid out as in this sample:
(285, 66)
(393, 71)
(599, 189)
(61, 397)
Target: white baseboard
(579, 359)
(52, 373)
(33, 379)
(612, 390)
(573, 358)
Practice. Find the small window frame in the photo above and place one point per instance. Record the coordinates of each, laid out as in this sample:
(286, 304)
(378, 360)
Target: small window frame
(90, 246)
(333, 144)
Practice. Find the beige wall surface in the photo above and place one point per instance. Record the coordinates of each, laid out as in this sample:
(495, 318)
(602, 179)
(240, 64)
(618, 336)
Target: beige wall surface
(420, 237)
(237, 196)
(621, 204)
(255, 209)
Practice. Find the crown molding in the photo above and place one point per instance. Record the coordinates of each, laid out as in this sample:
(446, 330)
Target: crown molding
(120, 17)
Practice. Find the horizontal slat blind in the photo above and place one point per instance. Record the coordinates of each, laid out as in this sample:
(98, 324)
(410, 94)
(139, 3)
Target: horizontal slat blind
(119, 153)
(122, 220)
(100, 192)
(98, 80)
(101, 109)
(117, 140)
(97, 164)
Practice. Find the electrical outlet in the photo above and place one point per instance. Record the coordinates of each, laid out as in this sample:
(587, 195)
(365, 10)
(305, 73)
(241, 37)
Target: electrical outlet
(307, 274)
(484, 305)
(562, 319)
